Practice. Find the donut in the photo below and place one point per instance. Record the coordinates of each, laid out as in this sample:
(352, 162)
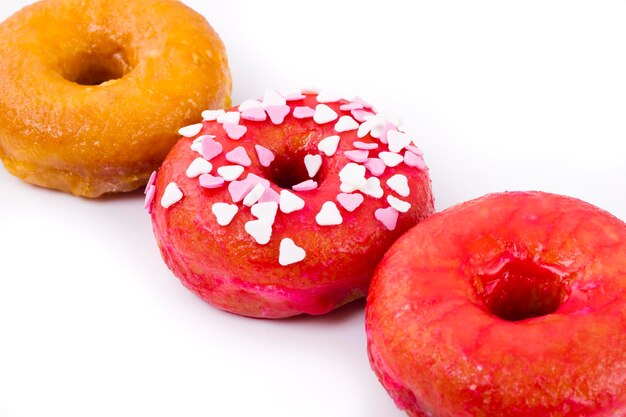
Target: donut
(513, 304)
(92, 92)
(285, 205)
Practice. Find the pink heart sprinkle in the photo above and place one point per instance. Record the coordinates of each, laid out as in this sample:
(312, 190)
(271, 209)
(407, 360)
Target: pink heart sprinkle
(303, 112)
(255, 114)
(365, 146)
(255, 179)
(270, 196)
(388, 217)
(357, 156)
(383, 134)
(350, 201)
(362, 102)
(413, 160)
(209, 181)
(239, 189)
(266, 157)
(235, 132)
(150, 182)
(305, 186)
(150, 191)
(417, 151)
(239, 156)
(277, 114)
(210, 148)
(376, 166)
(351, 106)
(294, 97)
(359, 114)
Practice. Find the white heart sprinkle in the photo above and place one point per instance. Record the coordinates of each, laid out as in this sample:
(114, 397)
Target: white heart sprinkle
(249, 104)
(289, 202)
(273, 98)
(347, 188)
(198, 167)
(260, 230)
(265, 210)
(390, 117)
(397, 140)
(400, 184)
(171, 195)
(253, 196)
(224, 213)
(329, 215)
(326, 96)
(345, 124)
(372, 188)
(290, 253)
(313, 164)
(400, 205)
(230, 172)
(353, 174)
(190, 131)
(371, 122)
(329, 145)
(391, 159)
(229, 117)
(211, 115)
(324, 114)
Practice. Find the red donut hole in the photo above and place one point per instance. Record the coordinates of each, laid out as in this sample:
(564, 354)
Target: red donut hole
(522, 289)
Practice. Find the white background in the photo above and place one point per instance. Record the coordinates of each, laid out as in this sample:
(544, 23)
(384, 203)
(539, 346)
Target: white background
(502, 95)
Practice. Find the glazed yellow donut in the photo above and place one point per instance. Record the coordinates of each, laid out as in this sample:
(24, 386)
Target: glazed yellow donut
(92, 91)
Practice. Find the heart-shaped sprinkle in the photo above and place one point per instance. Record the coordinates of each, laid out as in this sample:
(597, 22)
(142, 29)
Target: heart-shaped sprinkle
(347, 188)
(266, 157)
(362, 102)
(235, 132)
(313, 164)
(345, 124)
(388, 217)
(400, 184)
(209, 181)
(260, 230)
(413, 160)
(376, 166)
(391, 159)
(324, 114)
(255, 114)
(329, 215)
(365, 146)
(350, 201)
(366, 127)
(307, 185)
(359, 156)
(171, 195)
(248, 105)
(372, 188)
(211, 115)
(351, 106)
(198, 167)
(385, 131)
(190, 131)
(239, 189)
(417, 151)
(326, 96)
(230, 172)
(255, 179)
(150, 192)
(390, 117)
(290, 253)
(224, 213)
(294, 96)
(270, 196)
(400, 205)
(303, 112)
(210, 148)
(232, 117)
(353, 174)
(360, 115)
(239, 156)
(329, 145)
(254, 195)
(265, 211)
(151, 181)
(397, 140)
(289, 202)
(273, 98)
(277, 114)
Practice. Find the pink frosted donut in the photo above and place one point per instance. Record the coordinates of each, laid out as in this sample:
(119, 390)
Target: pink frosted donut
(285, 206)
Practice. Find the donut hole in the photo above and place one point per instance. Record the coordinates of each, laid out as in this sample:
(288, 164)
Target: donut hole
(105, 61)
(288, 170)
(522, 289)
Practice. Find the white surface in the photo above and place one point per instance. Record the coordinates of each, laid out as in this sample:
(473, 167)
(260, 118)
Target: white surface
(502, 95)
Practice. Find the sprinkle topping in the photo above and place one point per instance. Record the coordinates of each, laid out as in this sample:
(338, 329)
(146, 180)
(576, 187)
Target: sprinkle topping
(350, 201)
(399, 205)
(303, 112)
(277, 114)
(324, 114)
(198, 167)
(290, 253)
(307, 185)
(359, 156)
(289, 202)
(239, 156)
(255, 114)
(224, 213)
(388, 217)
(345, 124)
(209, 181)
(266, 157)
(254, 195)
(400, 184)
(265, 211)
(391, 159)
(209, 148)
(235, 132)
(171, 195)
(329, 215)
(329, 145)
(190, 131)
(260, 230)
(313, 164)
(230, 172)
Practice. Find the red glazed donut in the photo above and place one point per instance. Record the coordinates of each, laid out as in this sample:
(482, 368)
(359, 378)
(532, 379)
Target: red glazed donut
(509, 305)
(286, 205)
